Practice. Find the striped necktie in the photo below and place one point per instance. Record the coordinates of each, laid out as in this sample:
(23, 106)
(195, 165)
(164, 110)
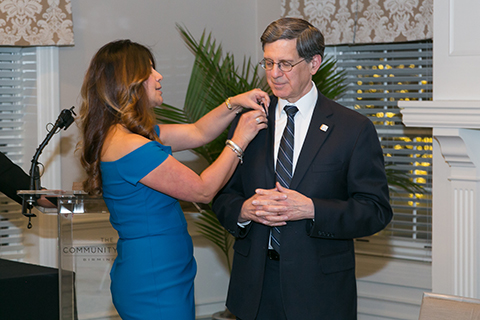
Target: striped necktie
(283, 169)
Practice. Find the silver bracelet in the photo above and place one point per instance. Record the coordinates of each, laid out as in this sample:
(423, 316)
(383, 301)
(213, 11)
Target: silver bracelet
(235, 148)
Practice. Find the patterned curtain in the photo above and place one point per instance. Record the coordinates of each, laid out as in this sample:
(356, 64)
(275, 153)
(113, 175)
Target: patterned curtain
(36, 23)
(365, 21)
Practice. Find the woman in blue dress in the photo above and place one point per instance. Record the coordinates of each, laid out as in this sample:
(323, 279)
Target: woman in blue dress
(128, 159)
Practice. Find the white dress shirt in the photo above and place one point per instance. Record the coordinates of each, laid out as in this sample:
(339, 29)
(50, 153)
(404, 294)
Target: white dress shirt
(305, 105)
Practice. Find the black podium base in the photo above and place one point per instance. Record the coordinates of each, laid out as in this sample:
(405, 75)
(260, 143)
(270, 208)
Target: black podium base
(28, 292)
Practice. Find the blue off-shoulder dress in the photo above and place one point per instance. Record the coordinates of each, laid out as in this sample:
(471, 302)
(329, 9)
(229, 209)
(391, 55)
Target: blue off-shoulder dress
(152, 276)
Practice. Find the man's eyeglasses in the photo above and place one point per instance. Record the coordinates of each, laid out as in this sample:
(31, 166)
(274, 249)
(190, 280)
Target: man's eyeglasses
(284, 66)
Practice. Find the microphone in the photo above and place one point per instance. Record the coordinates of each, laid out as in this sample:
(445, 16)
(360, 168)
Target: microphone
(64, 120)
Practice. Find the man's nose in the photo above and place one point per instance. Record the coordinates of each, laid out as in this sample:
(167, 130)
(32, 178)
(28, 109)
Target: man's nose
(276, 72)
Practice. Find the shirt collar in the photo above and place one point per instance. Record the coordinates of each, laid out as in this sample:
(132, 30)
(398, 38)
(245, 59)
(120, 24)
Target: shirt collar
(305, 104)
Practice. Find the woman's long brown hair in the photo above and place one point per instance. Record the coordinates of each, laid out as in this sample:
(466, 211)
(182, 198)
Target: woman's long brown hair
(113, 93)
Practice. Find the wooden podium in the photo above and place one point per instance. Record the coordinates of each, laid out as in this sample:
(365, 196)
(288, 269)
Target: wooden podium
(86, 251)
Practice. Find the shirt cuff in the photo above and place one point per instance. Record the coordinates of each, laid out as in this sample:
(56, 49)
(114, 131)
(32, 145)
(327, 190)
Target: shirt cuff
(243, 224)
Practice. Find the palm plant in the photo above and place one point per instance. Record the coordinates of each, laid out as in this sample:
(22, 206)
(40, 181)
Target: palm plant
(215, 76)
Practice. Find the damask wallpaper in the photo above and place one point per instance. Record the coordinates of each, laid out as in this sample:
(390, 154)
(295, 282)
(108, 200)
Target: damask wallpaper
(365, 21)
(36, 22)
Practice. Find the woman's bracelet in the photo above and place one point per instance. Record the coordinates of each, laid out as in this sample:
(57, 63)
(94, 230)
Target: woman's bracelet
(235, 148)
(230, 107)
(228, 104)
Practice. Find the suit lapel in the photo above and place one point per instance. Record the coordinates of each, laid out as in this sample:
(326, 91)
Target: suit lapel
(269, 143)
(320, 128)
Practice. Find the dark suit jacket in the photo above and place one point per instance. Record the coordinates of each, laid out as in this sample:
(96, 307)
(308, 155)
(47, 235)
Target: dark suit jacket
(12, 178)
(342, 170)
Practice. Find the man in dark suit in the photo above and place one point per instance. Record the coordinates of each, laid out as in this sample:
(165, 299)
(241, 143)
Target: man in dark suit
(294, 254)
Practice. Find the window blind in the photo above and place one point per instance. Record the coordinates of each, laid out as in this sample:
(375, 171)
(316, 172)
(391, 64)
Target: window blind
(378, 76)
(17, 97)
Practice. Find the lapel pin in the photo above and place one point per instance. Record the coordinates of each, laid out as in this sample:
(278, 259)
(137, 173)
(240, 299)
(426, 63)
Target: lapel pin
(324, 127)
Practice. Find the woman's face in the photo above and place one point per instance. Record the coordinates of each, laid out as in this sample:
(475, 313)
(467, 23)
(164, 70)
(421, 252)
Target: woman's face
(152, 87)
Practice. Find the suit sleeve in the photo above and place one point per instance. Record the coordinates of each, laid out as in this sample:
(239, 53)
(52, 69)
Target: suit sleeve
(12, 179)
(365, 209)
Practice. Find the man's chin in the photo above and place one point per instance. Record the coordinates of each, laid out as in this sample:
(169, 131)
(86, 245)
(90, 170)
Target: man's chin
(278, 93)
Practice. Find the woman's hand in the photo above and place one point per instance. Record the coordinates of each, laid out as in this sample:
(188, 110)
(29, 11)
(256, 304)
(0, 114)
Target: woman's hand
(248, 126)
(255, 99)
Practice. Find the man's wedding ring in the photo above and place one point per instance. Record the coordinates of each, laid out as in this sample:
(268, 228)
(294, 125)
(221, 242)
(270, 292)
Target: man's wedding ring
(258, 120)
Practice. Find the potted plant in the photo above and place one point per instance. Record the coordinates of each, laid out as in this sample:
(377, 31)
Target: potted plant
(215, 76)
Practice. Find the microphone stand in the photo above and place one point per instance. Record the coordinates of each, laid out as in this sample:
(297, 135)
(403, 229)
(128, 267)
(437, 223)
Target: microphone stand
(65, 119)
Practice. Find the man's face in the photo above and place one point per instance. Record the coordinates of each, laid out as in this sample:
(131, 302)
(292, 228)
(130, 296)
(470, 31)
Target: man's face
(294, 84)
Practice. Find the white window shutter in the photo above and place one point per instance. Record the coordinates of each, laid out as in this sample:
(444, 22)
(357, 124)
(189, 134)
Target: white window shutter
(378, 76)
(17, 99)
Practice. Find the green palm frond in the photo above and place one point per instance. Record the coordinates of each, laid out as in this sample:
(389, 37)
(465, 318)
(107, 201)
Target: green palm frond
(400, 180)
(169, 114)
(329, 81)
(215, 77)
(216, 74)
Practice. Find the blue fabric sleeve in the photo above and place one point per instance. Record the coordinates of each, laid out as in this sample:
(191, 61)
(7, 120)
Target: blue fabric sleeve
(140, 162)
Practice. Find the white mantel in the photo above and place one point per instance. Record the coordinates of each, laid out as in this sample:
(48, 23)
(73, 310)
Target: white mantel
(463, 114)
(454, 115)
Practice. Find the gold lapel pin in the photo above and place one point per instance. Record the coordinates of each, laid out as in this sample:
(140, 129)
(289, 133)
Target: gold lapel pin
(324, 127)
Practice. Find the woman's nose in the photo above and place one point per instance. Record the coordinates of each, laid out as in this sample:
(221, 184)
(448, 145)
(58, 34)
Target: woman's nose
(157, 75)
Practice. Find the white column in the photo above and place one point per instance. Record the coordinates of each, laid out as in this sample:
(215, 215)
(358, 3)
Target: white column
(456, 221)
